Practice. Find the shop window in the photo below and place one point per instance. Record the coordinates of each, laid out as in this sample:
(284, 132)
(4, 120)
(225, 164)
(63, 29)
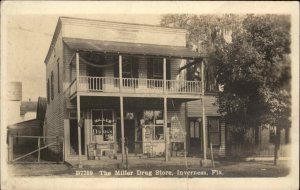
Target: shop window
(214, 135)
(102, 125)
(154, 125)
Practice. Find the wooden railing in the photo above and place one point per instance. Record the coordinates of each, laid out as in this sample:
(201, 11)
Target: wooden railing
(134, 85)
(186, 87)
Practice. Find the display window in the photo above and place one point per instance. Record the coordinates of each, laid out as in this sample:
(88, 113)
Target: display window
(102, 125)
(154, 125)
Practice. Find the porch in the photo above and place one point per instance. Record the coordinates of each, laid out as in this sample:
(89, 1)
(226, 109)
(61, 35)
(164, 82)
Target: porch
(149, 127)
(108, 85)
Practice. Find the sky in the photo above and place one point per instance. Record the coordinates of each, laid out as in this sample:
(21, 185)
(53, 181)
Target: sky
(29, 27)
(28, 40)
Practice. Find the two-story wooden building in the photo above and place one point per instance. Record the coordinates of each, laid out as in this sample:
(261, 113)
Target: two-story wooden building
(123, 81)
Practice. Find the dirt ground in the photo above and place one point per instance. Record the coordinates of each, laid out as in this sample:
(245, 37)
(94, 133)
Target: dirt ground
(221, 169)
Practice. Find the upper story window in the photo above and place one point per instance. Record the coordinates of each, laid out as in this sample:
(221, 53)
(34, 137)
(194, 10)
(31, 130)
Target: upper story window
(52, 85)
(58, 80)
(130, 67)
(155, 68)
(48, 91)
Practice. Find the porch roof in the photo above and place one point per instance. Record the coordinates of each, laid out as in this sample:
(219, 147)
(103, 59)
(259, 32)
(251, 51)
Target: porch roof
(130, 48)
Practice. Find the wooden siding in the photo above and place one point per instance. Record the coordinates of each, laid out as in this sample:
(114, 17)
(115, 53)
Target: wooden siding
(176, 116)
(137, 105)
(55, 109)
(194, 108)
(122, 32)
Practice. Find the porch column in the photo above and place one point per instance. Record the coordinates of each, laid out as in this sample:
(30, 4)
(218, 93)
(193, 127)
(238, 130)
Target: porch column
(166, 128)
(120, 73)
(121, 109)
(165, 74)
(78, 111)
(165, 109)
(203, 112)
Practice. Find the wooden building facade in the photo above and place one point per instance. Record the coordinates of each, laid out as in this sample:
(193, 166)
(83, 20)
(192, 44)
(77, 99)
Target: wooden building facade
(119, 87)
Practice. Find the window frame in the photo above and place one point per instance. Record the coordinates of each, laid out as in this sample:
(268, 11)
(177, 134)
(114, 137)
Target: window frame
(58, 77)
(193, 134)
(210, 132)
(127, 61)
(102, 125)
(153, 125)
(48, 91)
(157, 64)
(52, 85)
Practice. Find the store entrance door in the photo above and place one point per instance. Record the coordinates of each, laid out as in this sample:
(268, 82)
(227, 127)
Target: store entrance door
(74, 138)
(129, 135)
(195, 136)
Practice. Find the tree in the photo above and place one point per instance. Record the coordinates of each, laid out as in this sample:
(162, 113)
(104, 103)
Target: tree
(205, 33)
(253, 67)
(255, 72)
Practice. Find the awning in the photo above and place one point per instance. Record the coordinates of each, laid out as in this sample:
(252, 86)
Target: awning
(130, 48)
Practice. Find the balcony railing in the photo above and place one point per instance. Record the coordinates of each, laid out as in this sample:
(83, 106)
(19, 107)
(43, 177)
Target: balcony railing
(134, 85)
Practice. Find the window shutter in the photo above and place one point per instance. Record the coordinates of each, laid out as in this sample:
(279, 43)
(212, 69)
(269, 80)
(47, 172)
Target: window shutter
(150, 68)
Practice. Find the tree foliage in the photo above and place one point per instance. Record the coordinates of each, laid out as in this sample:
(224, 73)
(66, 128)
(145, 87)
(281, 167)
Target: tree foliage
(205, 33)
(253, 66)
(255, 72)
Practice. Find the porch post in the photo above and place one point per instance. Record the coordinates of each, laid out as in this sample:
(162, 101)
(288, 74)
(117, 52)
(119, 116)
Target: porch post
(122, 128)
(166, 128)
(203, 111)
(121, 109)
(120, 73)
(165, 74)
(78, 111)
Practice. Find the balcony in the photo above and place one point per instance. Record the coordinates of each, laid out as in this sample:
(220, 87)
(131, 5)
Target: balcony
(88, 84)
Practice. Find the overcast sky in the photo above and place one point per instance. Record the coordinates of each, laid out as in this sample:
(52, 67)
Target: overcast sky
(29, 27)
(28, 40)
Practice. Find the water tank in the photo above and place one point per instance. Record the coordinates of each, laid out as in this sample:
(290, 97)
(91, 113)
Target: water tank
(14, 91)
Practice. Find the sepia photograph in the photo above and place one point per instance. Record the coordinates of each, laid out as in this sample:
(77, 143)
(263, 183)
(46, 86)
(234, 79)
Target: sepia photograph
(149, 95)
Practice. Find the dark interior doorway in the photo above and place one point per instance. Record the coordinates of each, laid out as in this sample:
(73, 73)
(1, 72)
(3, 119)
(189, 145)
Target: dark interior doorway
(74, 138)
(129, 135)
(195, 134)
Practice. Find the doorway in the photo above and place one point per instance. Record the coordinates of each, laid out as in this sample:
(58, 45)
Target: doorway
(95, 82)
(74, 138)
(129, 135)
(195, 136)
